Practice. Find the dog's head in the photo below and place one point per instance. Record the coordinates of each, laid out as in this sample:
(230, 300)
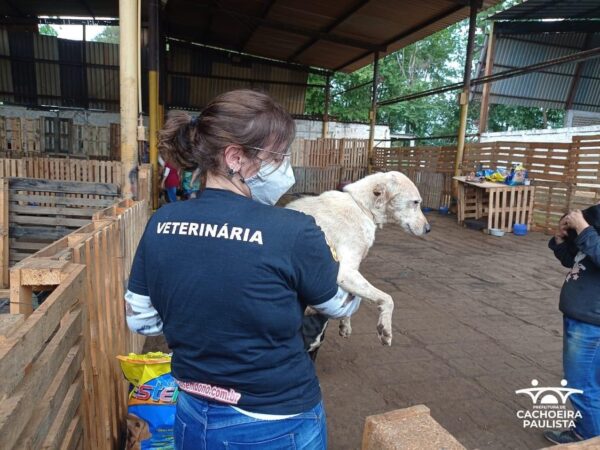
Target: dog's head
(392, 198)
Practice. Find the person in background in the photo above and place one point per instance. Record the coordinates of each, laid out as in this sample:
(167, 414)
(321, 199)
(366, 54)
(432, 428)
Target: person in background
(190, 183)
(170, 181)
(576, 245)
(227, 277)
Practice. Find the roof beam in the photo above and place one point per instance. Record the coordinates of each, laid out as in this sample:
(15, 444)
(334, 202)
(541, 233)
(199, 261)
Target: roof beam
(565, 26)
(577, 75)
(290, 28)
(338, 21)
(263, 15)
(12, 20)
(405, 33)
(86, 6)
(18, 10)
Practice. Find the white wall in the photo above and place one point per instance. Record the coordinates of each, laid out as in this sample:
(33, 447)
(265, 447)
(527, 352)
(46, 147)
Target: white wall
(312, 129)
(554, 135)
(80, 117)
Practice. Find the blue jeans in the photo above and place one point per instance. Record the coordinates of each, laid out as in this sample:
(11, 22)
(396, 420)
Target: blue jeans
(171, 194)
(200, 425)
(581, 363)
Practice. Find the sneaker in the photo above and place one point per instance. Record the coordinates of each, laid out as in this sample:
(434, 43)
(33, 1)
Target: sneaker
(562, 437)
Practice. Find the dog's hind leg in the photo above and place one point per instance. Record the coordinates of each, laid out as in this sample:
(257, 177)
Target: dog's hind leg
(352, 281)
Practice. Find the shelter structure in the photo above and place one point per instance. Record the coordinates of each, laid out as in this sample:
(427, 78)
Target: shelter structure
(536, 31)
(215, 46)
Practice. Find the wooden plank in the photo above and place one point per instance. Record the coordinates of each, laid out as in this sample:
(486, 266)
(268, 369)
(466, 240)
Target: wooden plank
(4, 234)
(17, 353)
(19, 231)
(19, 219)
(72, 436)
(64, 392)
(67, 187)
(52, 210)
(16, 410)
(66, 201)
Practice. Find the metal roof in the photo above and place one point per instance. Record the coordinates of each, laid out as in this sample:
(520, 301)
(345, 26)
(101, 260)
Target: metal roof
(334, 34)
(552, 87)
(551, 9)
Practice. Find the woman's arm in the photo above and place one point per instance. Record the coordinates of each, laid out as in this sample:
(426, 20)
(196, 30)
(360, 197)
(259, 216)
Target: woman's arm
(563, 252)
(588, 242)
(141, 316)
(342, 304)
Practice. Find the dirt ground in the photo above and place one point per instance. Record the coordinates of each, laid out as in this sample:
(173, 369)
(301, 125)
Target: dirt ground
(476, 318)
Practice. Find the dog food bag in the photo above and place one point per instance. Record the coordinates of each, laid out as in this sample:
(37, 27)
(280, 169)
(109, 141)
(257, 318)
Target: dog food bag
(152, 398)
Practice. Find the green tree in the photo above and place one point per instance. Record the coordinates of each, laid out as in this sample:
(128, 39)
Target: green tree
(47, 30)
(109, 35)
(435, 61)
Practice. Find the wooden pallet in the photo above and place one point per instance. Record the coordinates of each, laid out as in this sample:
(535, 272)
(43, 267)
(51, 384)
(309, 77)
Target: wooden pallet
(89, 267)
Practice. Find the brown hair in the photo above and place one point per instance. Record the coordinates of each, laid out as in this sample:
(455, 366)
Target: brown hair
(243, 117)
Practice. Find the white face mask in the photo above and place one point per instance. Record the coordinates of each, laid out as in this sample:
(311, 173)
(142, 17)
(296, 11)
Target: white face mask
(268, 186)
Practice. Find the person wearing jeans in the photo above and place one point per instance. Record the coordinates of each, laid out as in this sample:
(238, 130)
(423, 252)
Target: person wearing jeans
(576, 244)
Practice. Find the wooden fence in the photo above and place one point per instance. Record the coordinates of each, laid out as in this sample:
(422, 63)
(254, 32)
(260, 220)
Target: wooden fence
(62, 386)
(320, 165)
(38, 212)
(58, 136)
(566, 175)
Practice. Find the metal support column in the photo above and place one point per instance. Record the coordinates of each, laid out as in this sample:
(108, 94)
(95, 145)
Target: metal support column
(128, 77)
(373, 111)
(326, 108)
(153, 103)
(489, 70)
(464, 96)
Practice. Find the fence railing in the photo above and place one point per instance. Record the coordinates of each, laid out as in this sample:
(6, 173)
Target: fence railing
(62, 385)
(320, 165)
(566, 175)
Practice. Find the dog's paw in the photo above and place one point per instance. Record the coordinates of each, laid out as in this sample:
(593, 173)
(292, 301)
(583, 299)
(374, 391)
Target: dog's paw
(345, 328)
(384, 334)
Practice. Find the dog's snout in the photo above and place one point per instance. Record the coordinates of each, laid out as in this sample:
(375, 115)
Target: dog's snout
(427, 228)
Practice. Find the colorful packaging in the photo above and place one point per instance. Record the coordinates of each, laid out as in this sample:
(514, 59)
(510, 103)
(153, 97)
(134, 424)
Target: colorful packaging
(152, 397)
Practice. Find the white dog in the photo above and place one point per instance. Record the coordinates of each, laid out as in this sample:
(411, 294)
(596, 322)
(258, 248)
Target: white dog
(349, 220)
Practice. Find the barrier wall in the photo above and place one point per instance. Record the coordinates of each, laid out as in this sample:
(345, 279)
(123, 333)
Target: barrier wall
(63, 387)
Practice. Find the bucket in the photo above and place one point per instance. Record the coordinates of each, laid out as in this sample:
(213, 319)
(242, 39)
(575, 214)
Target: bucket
(443, 210)
(519, 229)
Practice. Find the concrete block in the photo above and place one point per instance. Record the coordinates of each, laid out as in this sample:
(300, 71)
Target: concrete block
(407, 429)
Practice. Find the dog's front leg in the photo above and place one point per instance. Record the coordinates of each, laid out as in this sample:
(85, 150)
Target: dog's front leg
(352, 281)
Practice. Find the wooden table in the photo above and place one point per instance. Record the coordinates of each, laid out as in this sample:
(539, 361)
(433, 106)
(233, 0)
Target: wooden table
(502, 204)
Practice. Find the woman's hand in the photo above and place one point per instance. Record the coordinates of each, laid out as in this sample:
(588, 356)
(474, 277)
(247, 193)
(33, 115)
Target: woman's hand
(576, 221)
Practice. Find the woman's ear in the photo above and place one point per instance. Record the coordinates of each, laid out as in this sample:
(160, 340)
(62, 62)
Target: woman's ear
(233, 157)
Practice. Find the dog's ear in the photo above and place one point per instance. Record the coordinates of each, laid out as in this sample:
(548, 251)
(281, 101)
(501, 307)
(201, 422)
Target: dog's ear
(379, 195)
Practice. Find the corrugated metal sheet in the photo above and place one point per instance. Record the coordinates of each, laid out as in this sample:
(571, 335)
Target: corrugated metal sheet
(548, 88)
(103, 75)
(197, 75)
(47, 74)
(551, 9)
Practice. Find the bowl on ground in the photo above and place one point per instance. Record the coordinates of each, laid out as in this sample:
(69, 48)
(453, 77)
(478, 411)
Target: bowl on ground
(496, 232)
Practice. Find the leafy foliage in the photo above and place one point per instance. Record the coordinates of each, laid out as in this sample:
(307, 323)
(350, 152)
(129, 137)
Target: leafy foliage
(109, 35)
(432, 62)
(47, 30)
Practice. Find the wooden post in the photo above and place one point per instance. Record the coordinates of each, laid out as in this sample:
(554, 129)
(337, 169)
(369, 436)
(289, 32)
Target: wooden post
(4, 227)
(153, 91)
(373, 111)
(487, 87)
(128, 74)
(326, 108)
(464, 96)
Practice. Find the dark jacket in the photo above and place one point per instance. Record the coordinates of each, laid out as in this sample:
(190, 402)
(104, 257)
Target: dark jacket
(580, 294)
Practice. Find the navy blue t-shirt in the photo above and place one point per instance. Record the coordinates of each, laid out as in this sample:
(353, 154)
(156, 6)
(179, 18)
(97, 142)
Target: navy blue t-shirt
(230, 279)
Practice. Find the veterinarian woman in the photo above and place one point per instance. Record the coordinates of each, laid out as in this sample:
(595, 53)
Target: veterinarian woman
(226, 277)
(576, 244)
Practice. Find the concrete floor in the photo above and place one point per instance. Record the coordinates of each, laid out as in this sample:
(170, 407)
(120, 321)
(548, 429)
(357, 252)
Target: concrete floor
(476, 318)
